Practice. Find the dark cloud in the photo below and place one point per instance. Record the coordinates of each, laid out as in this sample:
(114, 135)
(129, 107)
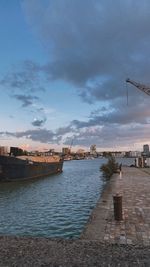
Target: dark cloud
(38, 122)
(112, 137)
(25, 83)
(41, 135)
(101, 110)
(64, 130)
(25, 77)
(120, 116)
(6, 133)
(94, 39)
(27, 100)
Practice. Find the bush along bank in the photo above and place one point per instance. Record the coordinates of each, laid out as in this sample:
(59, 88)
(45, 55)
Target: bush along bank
(109, 168)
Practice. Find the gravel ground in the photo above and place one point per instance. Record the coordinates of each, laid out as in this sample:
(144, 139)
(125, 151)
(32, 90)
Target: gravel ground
(24, 251)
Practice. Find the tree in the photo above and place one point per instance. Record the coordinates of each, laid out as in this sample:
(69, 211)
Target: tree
(110, 167)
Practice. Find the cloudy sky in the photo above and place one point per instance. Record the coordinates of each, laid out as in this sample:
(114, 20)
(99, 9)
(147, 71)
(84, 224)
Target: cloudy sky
(63, 66)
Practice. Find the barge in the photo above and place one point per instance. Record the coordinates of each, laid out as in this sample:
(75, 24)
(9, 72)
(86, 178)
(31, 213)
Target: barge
(27, 167)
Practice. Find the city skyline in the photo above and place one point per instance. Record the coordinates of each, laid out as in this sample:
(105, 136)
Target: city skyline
(63, 70)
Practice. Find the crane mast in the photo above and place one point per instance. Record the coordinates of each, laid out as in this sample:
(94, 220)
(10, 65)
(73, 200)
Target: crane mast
(71, 145)
(142, 87)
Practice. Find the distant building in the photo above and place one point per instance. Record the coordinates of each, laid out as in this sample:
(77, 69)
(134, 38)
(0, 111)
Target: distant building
(80, 151)
(128, 154)
(93, 150)
(65, 150)
(3, 150)
(146, 150)
(135, 154)
(50, 152)
(16, 151)
(118, 154)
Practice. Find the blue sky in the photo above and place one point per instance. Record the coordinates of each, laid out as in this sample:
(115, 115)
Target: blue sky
(62, 74)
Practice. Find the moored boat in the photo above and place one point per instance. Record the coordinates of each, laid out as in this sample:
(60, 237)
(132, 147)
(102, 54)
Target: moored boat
(27, 167)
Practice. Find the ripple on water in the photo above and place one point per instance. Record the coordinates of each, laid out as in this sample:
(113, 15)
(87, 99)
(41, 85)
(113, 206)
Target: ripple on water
(55, 206)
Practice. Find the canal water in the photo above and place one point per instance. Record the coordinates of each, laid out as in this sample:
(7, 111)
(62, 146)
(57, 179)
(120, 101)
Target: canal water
(55, 206)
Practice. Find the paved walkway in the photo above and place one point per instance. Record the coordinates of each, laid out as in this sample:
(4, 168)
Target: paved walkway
(134, 186)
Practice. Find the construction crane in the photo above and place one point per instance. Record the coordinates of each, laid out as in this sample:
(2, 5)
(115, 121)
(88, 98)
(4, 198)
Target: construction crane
(71, 144)
(142, 87)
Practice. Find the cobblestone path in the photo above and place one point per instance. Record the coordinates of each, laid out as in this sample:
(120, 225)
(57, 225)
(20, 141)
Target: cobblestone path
(134, 186)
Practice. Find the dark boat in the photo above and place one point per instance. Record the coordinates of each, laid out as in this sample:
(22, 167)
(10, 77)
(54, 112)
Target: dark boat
(27, 167)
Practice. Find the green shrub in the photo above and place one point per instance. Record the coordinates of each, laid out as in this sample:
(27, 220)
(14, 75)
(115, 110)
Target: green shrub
(109, 168)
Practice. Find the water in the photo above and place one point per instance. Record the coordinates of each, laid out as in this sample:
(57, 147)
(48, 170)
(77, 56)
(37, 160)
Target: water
(55, 206)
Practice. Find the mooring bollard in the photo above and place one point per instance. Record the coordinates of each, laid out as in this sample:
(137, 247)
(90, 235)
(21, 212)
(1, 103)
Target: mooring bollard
(117, 199)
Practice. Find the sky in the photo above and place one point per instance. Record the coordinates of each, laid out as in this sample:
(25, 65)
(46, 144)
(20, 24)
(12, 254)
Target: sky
(63, 67)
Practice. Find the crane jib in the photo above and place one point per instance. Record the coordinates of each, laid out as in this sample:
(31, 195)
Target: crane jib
(142, 87)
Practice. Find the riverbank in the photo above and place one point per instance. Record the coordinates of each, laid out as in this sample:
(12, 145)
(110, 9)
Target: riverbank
(96, 226)
(104, 242)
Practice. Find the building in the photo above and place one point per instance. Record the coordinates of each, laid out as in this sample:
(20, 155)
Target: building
(3, 150)
(146, 150)
(65, 150)
(80, 152)
(16, 151)
(135, 154)
(93, 150)
(49, 152)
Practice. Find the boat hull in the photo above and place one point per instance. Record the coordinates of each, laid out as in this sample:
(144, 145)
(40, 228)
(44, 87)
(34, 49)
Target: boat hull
(12, 168)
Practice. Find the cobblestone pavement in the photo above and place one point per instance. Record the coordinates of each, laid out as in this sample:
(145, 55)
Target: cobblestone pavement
(134, 186)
